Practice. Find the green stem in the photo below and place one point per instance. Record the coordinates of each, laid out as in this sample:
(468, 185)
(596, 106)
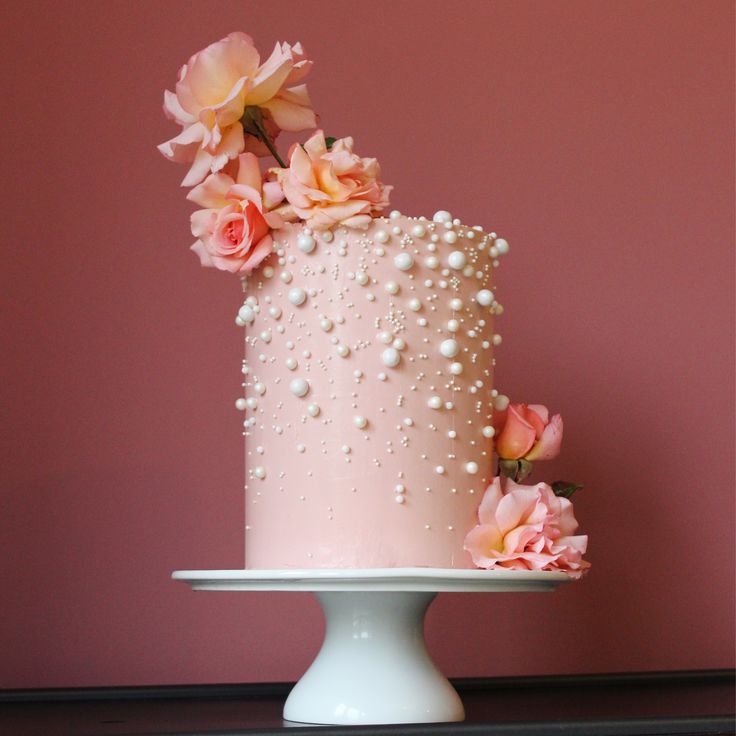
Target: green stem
(269, 143)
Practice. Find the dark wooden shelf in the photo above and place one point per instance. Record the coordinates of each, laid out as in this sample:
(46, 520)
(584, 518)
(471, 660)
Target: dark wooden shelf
(641, 704)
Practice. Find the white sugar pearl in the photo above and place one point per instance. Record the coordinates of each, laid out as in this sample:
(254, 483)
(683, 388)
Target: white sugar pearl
(488, 431)
(385, 337)
(440, 470)
(267, 272)
(382, 376)
(403, 261)
(442, 216)
(418, 231)
(346, 449)
(453, 325)
(260, 472)
(432, 262)
(391, 357)
(275, 312)
(399, 343)
(456, 368)
(449, 405)
(241, 404)
(299, 387)
(450, 237)
(399, 499)
(343, 351)
(362, 278)
(452, 434)
(325, 324)
(497, 339)
(471, 468)
(305, 243)
(301, 448)
(456, 259)
(381, 236)
(456, 304)
(501, 402)
(251, 403)
(484, 297)
(422, 322)
(327, 236)
(286, 276)
(360, 421)
(246, 313)
(449, 348)
(291, 364)
(502, 246)
(415, 304)
(434, 402)
(266, 336)
(239, 322)
(394, 214)
(259, 388)
(408, 422)
(399, 488)
(297, 296)
(391, 287)
(313, 410)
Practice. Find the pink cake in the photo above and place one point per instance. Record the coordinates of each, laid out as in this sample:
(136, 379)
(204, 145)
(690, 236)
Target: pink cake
(371, 421)
(368, 357)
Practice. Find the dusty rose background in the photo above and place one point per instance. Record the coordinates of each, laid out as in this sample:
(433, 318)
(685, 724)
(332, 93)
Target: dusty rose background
(597, 137)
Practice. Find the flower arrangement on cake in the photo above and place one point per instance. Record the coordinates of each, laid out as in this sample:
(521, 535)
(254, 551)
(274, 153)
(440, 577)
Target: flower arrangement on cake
(333, 288)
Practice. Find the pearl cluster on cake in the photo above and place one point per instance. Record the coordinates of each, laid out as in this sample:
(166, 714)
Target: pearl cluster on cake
(368, 373)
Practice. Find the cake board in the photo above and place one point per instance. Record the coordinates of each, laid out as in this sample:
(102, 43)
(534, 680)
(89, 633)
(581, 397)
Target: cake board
(373, 666)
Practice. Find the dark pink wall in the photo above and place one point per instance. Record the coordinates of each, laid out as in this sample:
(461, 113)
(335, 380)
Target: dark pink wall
(597, 137)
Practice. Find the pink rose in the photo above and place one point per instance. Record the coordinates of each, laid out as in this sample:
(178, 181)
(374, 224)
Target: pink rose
(234, 229)
(214, 88)
(526, 528)
(526, 431)
(330, 187)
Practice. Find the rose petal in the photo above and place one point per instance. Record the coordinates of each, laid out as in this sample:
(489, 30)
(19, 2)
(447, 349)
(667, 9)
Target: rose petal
(548, 445)
(517, 436)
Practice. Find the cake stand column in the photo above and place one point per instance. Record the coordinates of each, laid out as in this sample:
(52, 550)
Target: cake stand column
(373, 666)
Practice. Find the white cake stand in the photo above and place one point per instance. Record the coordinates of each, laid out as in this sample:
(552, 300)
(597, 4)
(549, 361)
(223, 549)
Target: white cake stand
(373, 666)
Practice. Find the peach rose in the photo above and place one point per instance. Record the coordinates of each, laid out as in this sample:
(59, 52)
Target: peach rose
(327, 187)
(525, 431)
(214, 88)
(234, 229)
(526, 528)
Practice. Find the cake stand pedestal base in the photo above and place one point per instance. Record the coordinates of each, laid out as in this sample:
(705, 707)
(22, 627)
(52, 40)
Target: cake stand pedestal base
(373, 666)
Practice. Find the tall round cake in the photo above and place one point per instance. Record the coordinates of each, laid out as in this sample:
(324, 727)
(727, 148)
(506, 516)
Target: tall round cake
(368, 388)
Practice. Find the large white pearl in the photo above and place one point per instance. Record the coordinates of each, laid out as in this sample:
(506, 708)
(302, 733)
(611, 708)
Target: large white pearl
(453, 325)
(456, 259)
(391, 287)
(241, 404)
(434, 402)
(450, 237)
(391, 357)
(360, 421)
(297, 296)
(305, 243)
(381, 236)
(415, 304)
(246, 313)
(502, 246)
(442, 216)
(418, 231)
(456, 368)
(484, 297)
(313, 410)
(291, 363)
(488, 431)
(259, 472)
(299, 387)
(403, 261)
(456, 304)
(449, 348)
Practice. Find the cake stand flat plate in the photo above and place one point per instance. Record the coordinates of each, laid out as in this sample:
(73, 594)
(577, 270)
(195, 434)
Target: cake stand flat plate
(378, 579)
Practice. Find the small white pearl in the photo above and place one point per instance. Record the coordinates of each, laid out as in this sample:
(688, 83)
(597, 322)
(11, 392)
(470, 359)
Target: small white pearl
(456, 259)
(497, 339)
(259, 388)
(291, 364)
(260, 472)
(385, 337)
(415, 304)
(434, 402)
(286, 276)
(391, 357)
(488, 431)
(456, 304)
(453, 325)
(452, 434)
(246, 313)
(299, 387)
(268, 272)
(300, 448)
(440, 470)
(471, 468)
(403, 261)
(456, 368)
(275, 312)
(484, 297)
(450, 237)
(345, 449)
(399, 488)
(362, 278)
(422, 322)
(241, 404)
(391, 287)
(418, 231)
(399, 499)
(394, 214)
(442, 216)
(382, 376)
(343, 351)
(326, 324)
(297, 296)
(501, 246)
(381, 236)
(239, 322)
(360, 421)
(408, 422)
(313, 410)
(251, 403)
(306, 243)
(449, 348)
(399, 343)
(432, 261)
(501, 402)
(327, 236)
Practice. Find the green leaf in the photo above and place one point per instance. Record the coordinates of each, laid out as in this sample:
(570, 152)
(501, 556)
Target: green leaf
(565, 488)
(330, 141)
(517, 470)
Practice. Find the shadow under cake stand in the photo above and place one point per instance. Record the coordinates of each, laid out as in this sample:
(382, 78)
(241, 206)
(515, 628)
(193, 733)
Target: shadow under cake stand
(373, 666)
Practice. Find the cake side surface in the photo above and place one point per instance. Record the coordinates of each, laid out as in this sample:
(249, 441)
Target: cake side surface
(368, 389)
